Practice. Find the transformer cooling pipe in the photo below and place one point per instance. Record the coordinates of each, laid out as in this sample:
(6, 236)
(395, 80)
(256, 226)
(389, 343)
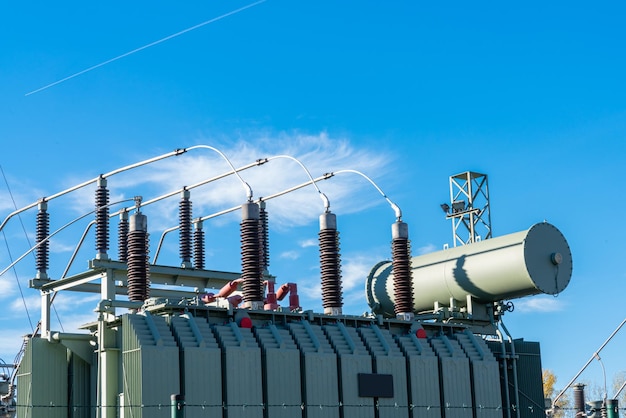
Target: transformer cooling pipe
(525, 263)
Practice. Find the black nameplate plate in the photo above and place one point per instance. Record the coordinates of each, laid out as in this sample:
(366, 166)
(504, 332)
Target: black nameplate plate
(375, 385)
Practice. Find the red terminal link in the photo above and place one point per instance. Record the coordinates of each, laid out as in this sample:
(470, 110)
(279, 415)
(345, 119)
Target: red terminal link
(282, 291)
(235, 300)
(270, 301)
(294, 299)
(208, 298)
(229, 288)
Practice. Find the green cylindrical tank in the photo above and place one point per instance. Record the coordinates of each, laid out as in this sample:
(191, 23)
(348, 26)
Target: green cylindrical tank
(530, 262)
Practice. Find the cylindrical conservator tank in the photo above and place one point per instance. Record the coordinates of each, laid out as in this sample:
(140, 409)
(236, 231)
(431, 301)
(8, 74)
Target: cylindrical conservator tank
(530, 262)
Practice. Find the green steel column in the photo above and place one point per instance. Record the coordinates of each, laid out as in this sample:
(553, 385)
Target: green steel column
(612, 410)
(178, 403)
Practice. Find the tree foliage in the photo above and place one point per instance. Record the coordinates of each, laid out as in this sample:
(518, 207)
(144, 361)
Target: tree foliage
(618, 381)
(549, 380)
(550, 391)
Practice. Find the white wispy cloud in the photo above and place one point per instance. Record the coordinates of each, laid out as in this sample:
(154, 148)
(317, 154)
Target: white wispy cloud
(540, 304)
(289, 255)
(355, 269)
(7, 287)
(10, 343)
(33, 303)
(426, 249)
(319, 153)
(308, 243)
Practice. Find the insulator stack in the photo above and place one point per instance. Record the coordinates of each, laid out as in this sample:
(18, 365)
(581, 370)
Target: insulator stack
(579, 400)
(198, 245)
(122, 237)
(138, 268)
(184, 230)
(401, 267)
(250, 257)
(264, 237)
(43, 249)
(102, 219)
(330, 265)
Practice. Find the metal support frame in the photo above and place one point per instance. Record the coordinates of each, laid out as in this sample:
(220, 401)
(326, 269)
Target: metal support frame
(113, 276)
(469, 210)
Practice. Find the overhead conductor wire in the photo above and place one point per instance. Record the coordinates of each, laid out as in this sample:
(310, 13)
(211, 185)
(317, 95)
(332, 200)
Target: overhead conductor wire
(19, 286)
(141, 48)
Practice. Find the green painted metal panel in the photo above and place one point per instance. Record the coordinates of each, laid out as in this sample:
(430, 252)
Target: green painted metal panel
(150, 366)
(423, 370)
(319, 374)
(42, 381)
(527, 362)
(281, 372)
(353, 359)
(241, 370)
(455, 378)
(79, 387)
(485, 376)
(388, 359)
(200, 366)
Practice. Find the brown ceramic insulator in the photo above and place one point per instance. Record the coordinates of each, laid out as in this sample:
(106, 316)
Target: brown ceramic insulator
(102, 219)
(138, 267)
(198, 248)
(122, 240)
(250, 261)
(184, 231)
(402, 281)
(330, 265)
(43, 250)
(264, 238)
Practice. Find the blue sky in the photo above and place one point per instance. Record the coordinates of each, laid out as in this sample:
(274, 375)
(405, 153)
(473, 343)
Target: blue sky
(406, 92)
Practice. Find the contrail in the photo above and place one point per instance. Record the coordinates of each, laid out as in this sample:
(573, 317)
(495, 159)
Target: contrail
(215, 19)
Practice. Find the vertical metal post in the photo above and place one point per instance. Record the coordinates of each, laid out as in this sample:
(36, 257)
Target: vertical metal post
(45, 314)
(514, 364)
(107, 350)
(612, 408)
(178, 404)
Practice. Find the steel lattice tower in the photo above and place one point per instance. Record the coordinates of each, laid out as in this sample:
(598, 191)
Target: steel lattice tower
(469, 209)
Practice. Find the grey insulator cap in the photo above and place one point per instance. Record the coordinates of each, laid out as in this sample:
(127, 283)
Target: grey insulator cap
(249, 210)
(138, 222)
(328, 221)
(400, 230)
